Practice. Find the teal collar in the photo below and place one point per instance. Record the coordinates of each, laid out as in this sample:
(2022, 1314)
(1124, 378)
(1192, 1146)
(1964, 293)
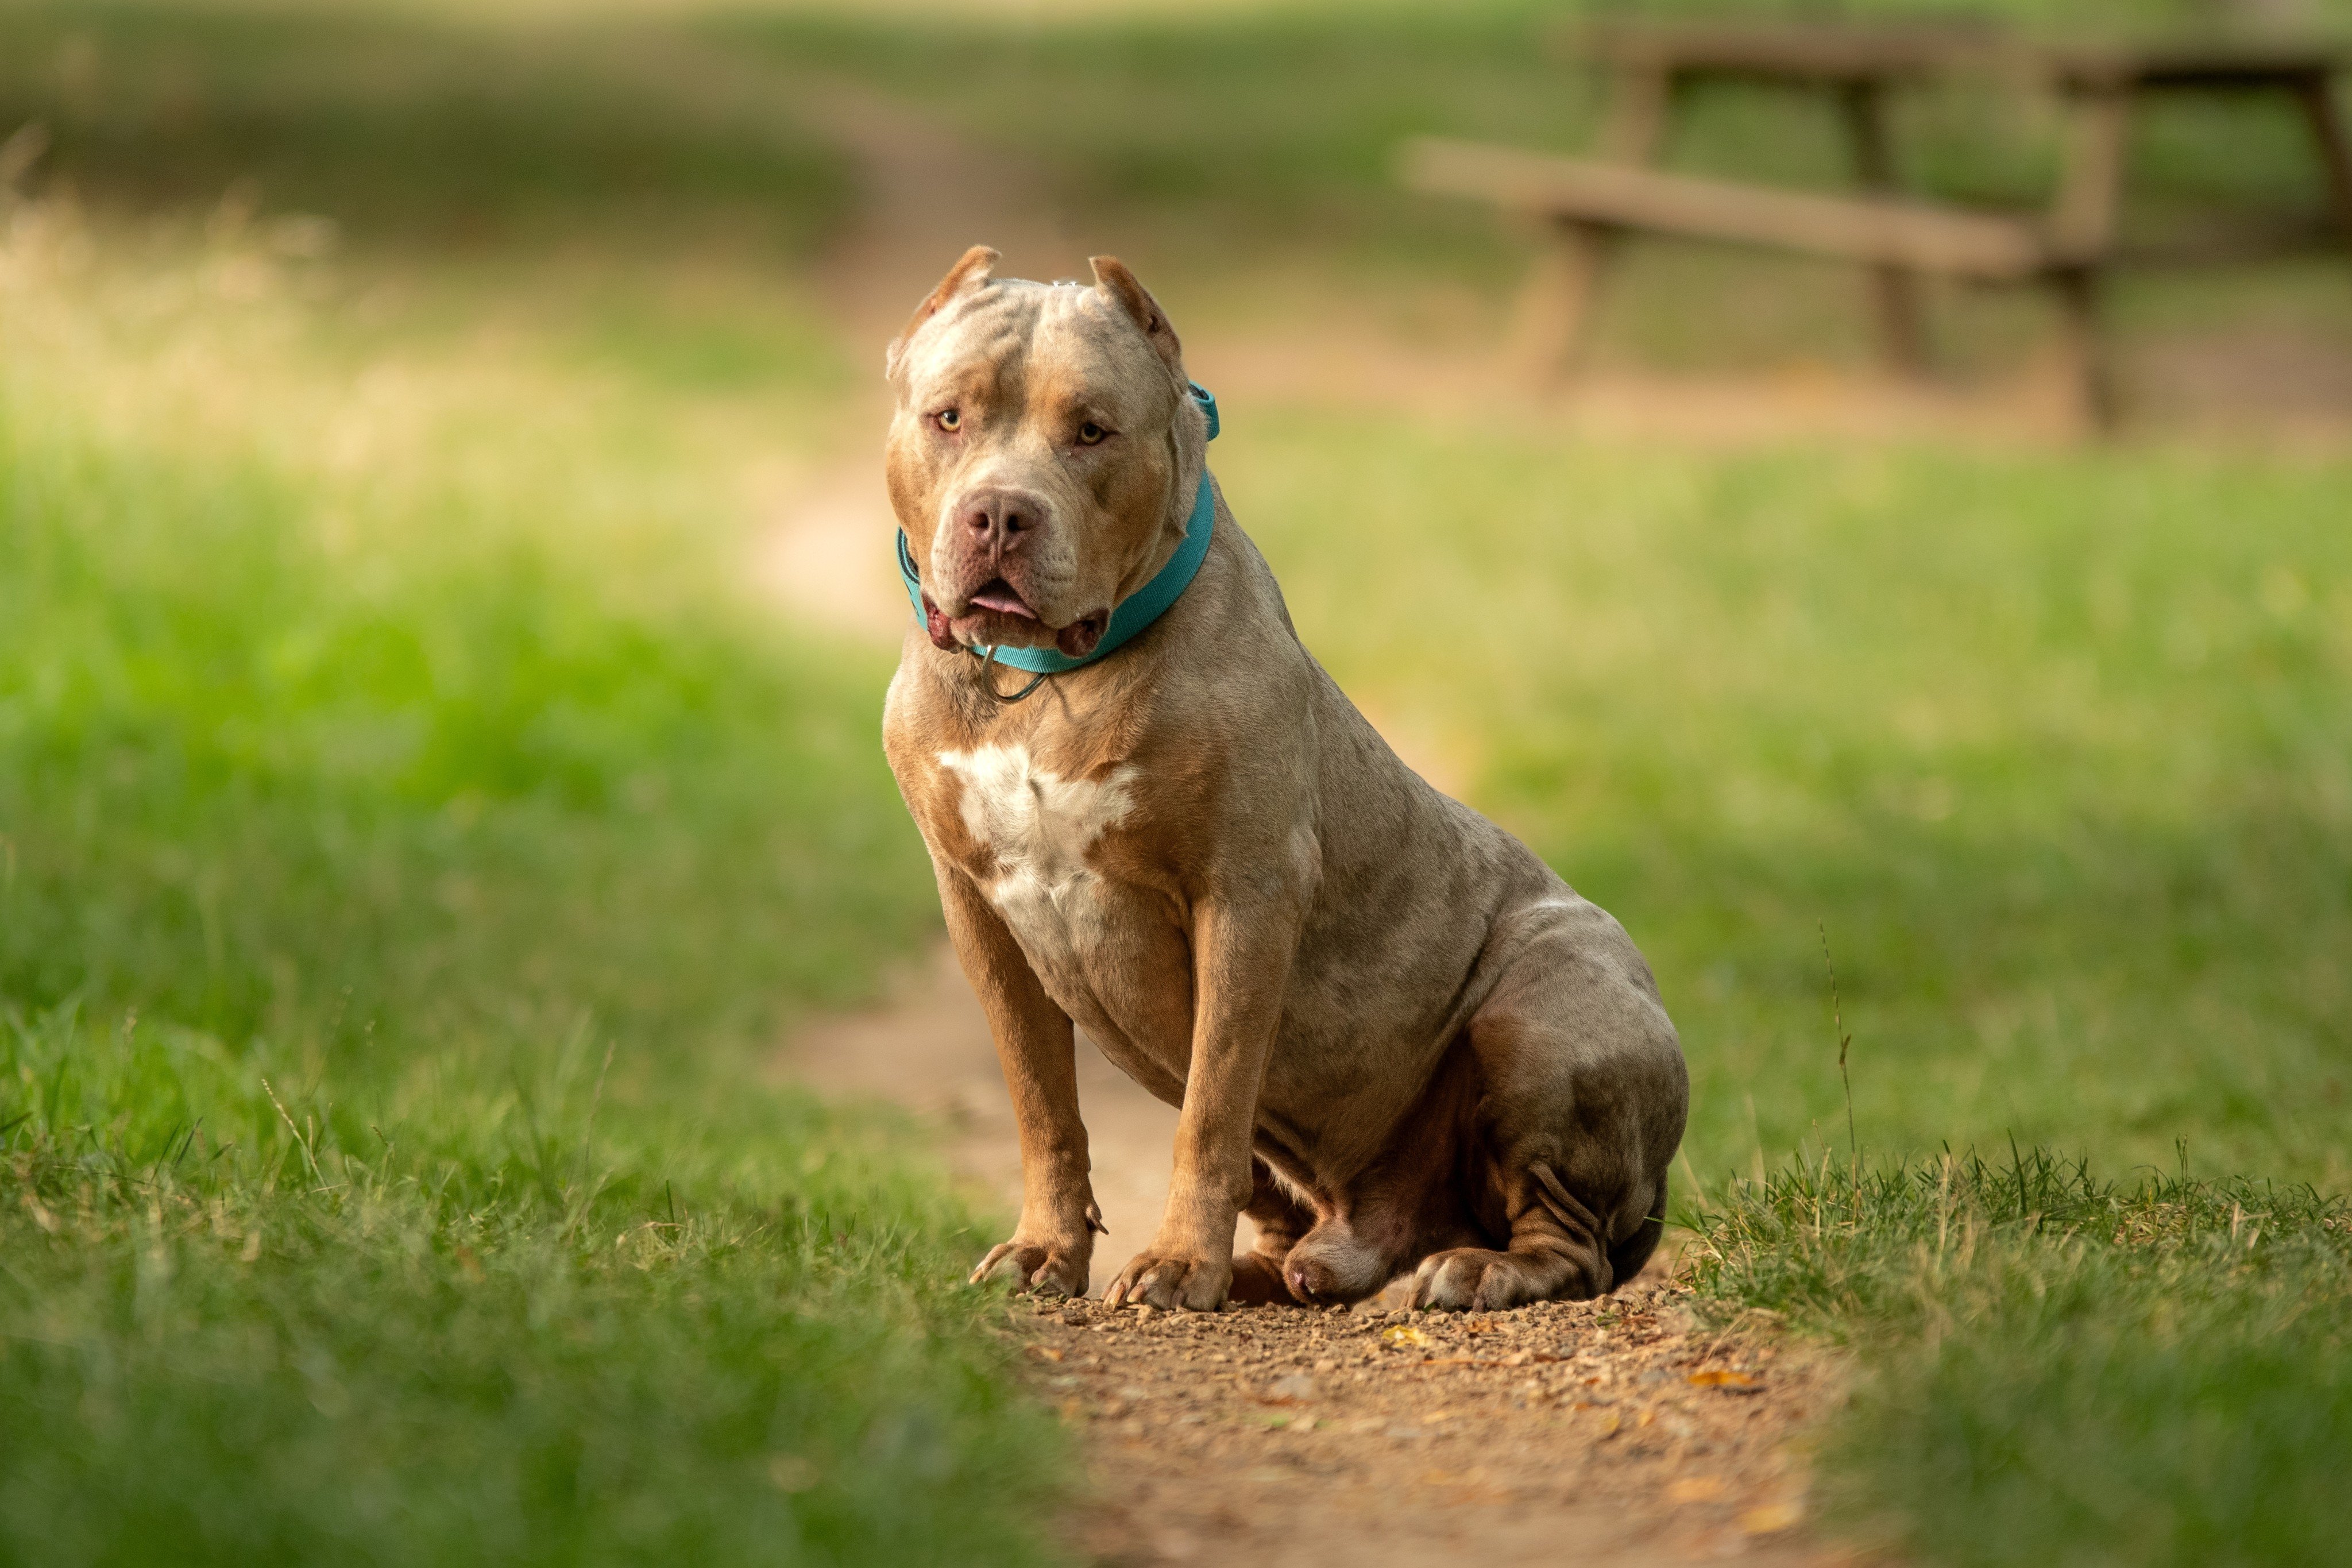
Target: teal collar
(1131, 615)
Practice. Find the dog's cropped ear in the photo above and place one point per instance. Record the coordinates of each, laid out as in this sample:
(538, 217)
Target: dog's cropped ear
(970, 271)
(1115, 280)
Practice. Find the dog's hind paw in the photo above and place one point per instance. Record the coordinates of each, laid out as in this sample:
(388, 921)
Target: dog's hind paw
(1257, 1282)
(1034, 1266)
(1475, 1280)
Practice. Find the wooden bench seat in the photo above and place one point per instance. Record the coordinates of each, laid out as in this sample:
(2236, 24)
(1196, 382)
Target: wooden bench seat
(1592, 201)
(1879, 230)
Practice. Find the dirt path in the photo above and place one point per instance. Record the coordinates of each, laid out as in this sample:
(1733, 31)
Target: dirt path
(1611, 1432)
(1599, 1433)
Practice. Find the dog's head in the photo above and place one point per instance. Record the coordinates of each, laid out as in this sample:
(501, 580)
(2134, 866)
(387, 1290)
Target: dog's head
(1044, 455)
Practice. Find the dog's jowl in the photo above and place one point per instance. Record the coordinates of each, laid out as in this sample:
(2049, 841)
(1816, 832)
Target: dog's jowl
(1397, 1039)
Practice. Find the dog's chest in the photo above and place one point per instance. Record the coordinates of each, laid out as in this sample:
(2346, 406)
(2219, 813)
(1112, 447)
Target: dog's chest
(1040, 828)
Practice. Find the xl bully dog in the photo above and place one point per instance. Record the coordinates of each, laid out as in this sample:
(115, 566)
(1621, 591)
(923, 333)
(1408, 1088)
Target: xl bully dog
(1398, 1041)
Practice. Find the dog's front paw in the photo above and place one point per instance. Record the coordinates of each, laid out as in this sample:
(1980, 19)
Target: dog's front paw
(1155, 1279)
(1045, 1268)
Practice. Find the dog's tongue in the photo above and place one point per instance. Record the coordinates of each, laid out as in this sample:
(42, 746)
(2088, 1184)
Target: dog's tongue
(999, 597)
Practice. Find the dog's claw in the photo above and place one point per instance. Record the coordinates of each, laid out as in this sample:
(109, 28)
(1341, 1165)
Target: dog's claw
(1037, 1268)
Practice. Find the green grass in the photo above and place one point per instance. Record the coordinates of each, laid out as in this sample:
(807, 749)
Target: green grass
(419, 134)
(393, 912)
(2065, 1369)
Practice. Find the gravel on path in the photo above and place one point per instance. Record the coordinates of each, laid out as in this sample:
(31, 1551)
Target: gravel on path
(1606, 1432)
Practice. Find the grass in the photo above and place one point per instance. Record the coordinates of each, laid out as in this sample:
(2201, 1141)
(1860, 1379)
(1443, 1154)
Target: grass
(411, 836)
(400, 888)
(257, 1311)
(2065, 1369)
(417, 133)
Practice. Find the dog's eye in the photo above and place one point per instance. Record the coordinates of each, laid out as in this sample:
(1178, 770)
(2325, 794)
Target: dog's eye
(1091, 434)
(948, 419)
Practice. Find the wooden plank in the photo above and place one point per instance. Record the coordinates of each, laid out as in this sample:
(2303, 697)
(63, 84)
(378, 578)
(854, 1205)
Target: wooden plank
(2192, 63)
(1812, 53)
(1857, 229)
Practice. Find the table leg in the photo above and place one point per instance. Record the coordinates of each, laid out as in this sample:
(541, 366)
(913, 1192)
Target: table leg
(2089, 376)
(2316, 96)
(1555, 308)
(1556, 305)
(2083, 222)
(1901, 325)
(2081, 231)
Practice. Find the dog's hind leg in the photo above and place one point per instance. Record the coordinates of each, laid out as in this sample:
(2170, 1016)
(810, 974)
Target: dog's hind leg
(1584, 1099)
(1281, 1218)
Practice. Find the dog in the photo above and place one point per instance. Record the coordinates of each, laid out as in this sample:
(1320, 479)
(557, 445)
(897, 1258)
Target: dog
(1397, 1040)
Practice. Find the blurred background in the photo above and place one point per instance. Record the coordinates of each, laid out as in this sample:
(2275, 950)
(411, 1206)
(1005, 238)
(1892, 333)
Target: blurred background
(1747, 636)
(445, 599)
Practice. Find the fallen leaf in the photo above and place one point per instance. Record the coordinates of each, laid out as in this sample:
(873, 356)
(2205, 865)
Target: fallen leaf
(1405, 1334)
(1044, 1353)
(1696, 1489)
(1719, 1377)
(1771, 1518)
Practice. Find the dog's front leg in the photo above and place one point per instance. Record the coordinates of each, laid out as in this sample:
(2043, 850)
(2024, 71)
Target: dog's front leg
(1052, 1247)
(1241, 965)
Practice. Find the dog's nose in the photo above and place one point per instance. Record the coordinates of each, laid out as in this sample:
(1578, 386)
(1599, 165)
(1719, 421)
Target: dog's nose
(997, 519)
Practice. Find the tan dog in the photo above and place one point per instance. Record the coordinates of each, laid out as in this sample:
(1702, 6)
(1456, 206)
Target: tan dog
(1397, 1041)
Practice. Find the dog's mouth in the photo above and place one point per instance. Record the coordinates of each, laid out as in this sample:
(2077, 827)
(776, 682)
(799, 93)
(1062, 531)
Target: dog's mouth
(996, 612)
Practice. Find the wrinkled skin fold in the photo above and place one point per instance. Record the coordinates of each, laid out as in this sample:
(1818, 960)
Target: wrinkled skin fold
(1396, 1039)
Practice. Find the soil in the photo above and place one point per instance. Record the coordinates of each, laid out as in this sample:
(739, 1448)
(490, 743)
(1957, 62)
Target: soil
(1605, 1432)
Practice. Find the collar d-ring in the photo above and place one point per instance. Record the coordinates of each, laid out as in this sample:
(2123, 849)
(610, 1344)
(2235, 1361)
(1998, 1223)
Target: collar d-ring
(988, 678)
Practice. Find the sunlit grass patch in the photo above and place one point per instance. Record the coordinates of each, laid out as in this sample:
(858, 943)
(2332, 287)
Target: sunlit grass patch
(409, 851)
(472, 1314)
(2060, 1368)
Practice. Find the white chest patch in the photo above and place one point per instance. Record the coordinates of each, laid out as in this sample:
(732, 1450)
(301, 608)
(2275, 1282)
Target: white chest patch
(1039, 827)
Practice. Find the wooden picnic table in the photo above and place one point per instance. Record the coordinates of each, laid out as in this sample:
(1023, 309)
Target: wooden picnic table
(1590, 203)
